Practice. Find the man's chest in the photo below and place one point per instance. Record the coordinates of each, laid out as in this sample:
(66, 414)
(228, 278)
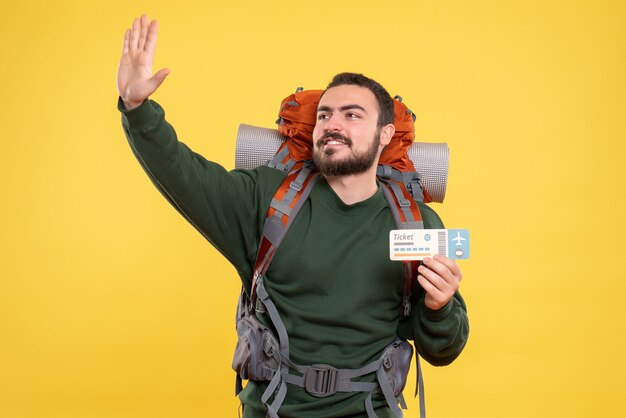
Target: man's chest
(339, 256)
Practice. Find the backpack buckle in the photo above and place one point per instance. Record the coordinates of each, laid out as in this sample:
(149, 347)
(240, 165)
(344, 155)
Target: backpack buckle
(320, 380)
(415, 188)
(296, 185)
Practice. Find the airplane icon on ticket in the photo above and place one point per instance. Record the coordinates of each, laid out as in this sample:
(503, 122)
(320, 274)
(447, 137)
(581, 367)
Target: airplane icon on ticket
(459, 239)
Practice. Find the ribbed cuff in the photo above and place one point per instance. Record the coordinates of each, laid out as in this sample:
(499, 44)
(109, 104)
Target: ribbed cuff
(439, 314)
(141, 118)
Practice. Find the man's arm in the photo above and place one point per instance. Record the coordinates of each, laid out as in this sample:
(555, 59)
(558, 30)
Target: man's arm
(221, 205)
(440, 335)
(439, 323)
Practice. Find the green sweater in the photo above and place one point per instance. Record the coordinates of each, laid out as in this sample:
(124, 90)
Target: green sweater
(331, 279)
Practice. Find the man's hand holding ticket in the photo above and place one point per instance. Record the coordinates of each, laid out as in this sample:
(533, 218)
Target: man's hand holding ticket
(438, 275)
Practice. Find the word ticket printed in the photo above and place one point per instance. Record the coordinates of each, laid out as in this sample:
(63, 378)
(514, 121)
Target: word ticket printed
(417, 244)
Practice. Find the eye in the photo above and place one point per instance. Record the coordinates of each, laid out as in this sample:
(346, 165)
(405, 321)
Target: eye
(322, 116)
(351, 115)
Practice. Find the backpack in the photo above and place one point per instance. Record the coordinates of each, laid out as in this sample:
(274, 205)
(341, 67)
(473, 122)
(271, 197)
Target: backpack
(259, 354)
(297, 117)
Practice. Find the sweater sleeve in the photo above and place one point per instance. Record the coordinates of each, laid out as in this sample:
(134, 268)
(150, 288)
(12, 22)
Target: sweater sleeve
(439, 335)
(221, 205)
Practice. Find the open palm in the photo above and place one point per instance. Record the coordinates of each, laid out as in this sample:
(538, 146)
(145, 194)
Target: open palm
(135, 81)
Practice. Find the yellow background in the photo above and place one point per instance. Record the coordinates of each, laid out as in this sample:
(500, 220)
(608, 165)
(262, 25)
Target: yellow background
(111, 305)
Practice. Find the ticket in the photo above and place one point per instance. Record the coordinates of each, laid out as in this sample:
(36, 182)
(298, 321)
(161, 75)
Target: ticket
(416, 244)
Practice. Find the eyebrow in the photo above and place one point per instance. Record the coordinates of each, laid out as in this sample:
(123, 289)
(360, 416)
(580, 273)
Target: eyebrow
(342, 108)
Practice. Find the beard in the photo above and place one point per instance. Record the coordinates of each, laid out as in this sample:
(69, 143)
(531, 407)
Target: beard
(353, 164)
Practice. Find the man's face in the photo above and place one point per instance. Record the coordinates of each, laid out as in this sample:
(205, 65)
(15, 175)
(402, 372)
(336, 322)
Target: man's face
(346, 138)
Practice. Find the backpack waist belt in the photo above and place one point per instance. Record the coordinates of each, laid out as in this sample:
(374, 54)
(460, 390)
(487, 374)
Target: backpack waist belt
(259, 357)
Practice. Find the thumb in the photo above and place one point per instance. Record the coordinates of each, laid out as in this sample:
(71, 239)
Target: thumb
(159, 78)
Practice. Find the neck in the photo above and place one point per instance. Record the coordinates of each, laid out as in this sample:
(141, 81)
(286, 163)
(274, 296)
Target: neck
(354, 188)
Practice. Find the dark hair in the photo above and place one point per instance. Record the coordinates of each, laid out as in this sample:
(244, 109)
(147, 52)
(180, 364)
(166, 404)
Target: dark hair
(385, 102)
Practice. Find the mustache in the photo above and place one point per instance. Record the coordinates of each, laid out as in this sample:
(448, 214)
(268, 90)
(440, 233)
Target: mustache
(333, 135)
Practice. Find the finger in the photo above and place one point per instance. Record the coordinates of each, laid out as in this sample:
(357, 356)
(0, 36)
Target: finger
(134, 35)
(152, 37)
(440, 268)
(159, 78)
(161, 74)
(434, 299)
(435, 266)
(126, 44)
(428, 286)
(433, 278)
(144, 32)
(448, 262)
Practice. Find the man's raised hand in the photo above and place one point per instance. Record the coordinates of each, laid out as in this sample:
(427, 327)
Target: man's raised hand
(135, 82)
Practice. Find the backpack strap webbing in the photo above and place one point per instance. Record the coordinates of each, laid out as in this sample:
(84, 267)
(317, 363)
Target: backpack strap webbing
(407, 217)
(411, 180)
(282, 160)
(419, 387)
(288, 199)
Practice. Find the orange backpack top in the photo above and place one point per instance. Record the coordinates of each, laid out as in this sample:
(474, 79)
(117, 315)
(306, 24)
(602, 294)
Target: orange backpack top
(297, 117)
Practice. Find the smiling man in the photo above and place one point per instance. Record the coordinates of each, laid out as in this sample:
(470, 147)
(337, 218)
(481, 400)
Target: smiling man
(331, 283)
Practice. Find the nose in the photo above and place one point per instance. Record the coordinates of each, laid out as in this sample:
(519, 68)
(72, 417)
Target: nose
(332, 124)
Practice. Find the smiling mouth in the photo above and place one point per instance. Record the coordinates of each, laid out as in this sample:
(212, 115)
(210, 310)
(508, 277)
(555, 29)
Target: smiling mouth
(333, 138)
(332, 141)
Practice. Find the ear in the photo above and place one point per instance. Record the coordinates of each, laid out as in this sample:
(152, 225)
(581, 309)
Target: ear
(386, 133)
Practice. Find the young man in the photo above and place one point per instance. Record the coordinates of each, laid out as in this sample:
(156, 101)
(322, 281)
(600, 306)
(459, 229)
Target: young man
(331, 280)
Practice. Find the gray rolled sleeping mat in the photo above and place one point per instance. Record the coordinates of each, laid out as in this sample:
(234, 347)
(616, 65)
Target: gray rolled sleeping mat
(256, 146)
